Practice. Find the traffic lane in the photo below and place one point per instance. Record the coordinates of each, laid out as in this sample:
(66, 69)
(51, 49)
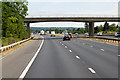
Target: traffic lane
(105, 67)
(15, 62)
(48, 37)
(109, 48)
(54, 61)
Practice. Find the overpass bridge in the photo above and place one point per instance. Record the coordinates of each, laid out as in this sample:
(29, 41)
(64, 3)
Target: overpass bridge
(90, 20)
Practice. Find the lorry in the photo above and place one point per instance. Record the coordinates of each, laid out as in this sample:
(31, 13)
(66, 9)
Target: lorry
(42, 32)
(52, 33)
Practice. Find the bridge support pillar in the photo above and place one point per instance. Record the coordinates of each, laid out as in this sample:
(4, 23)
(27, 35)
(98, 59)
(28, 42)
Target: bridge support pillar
(28, 29)
(91, 29)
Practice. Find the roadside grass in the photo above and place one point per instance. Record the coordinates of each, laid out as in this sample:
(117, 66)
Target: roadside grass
(8, 41)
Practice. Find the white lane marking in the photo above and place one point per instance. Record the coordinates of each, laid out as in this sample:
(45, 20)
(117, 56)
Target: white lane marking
(91, 46)
(83, 43)
(62, 44)
(30, 63)
(118, 55)
(93, 71)
(70, 50)
(100, 42)
(102, 49)
(77, 57)
(65, 46)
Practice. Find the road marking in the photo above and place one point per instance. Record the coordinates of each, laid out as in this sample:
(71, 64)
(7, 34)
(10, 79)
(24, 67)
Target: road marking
(30, 63)
(92, 70)
(91, 46)
(65, 46)
(77, 57)
(83, 43)
(70, 50)
(62, 44)
(102, 49)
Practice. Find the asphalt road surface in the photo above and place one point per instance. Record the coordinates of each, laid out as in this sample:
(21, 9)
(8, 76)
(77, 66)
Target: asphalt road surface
(15, 62)
(74, 59)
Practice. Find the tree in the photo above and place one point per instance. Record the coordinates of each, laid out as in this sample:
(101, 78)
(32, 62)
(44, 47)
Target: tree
(106, 26)
(86, 27)
(112, 27)
(78, 29)
(13, 14)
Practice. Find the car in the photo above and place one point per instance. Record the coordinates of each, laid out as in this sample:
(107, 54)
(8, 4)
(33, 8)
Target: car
(117, 34)
(86, 34)
(99, 34)
(76, 33)
(70, 35)
(52, 33)
(66, 37)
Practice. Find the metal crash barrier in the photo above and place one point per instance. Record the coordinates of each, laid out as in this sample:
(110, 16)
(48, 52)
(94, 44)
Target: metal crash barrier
(5, 48)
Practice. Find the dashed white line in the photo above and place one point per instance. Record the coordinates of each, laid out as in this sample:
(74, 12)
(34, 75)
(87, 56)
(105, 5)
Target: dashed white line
(102, 49)
(91, 46)
(93, 71)
(65, 46)
(83, 43)
(77, 57)
(62, 44)
(70, 50)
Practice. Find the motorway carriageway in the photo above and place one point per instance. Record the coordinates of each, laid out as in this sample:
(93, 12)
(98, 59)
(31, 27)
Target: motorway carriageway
(77, 58)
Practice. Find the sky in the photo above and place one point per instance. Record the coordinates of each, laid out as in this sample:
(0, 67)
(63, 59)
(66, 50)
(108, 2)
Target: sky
(53, 8)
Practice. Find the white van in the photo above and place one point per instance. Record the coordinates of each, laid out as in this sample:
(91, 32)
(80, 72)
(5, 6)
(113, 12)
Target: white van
(52, 33)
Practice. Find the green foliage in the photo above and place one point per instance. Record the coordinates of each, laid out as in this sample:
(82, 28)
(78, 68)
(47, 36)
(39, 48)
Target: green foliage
(98, 29)
(86, 27)
(13, 14)
(106, 26)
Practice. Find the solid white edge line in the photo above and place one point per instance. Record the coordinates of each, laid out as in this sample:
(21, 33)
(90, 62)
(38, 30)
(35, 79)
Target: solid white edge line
(77, 57)
(30, 63)
(92, 70)
(118, 55)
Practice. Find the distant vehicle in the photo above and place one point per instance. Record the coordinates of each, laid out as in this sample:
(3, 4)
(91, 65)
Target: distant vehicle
(42, 32)
(99, 34)
(86, 34)
(66, 37)
(76, 33)
(117, 34)
(70, 35)
(47, 32)
(52, 33)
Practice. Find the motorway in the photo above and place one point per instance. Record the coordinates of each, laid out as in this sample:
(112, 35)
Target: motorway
(77, 58)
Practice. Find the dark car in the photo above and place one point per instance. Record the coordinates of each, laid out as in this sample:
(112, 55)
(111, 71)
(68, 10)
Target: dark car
(66, 37)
